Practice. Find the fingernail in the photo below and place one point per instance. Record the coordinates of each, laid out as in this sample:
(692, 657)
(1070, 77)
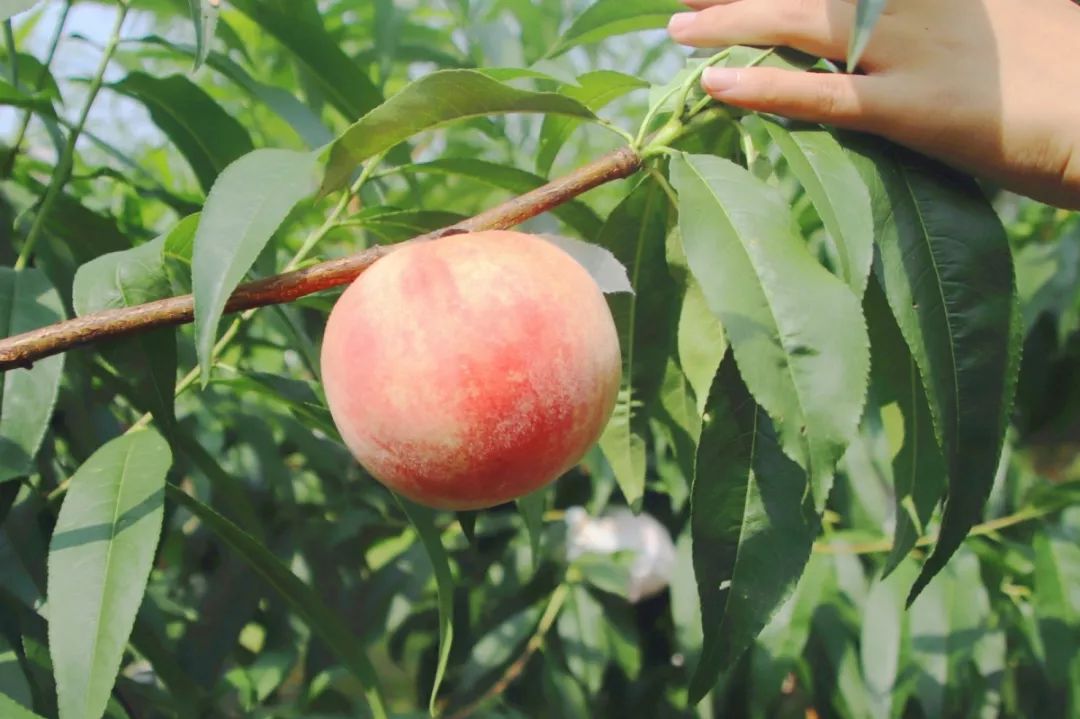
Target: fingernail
(719, 79)
(681, 21)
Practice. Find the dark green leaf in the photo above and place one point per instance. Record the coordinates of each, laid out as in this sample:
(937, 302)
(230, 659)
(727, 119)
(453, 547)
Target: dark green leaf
(946, 269)
(423, 521)
(797, 332)
(430, 102)
(1057, 576)
(13, 684)
(304, 600)
(531, 507)
(245, 207)
(838, 193)
(99, 561)
(635, 233)
(207, 136)
(27, 301)
(752, 526)
(342, 81)
(581, 630)
(13, 97)
(606, 18)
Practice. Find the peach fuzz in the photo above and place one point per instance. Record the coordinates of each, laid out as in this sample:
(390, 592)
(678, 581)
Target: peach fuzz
(468, 371)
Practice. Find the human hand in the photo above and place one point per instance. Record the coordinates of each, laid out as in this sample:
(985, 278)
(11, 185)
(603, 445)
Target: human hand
(986, 85)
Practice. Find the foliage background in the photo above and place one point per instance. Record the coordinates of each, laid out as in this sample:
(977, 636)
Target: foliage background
(221, 631)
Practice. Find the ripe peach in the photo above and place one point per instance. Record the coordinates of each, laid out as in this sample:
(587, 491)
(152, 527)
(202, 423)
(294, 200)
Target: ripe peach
(468, 371)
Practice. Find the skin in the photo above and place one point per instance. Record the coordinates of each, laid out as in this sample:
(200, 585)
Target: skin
(988, 86)
(471, 370)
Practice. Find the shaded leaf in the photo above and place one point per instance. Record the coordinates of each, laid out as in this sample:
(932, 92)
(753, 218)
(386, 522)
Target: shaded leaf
(584, 642)
(944, 263)
(204, 14)
(883, 625)
(304, 600)
(797, 332)
(432, 101)
(866, 17)
(207, 136)
(99, 561)
(13, 684)
(531, 508)
(752, 527)
(606, 18)
(423, 521)
(250, 199)
(27, 301)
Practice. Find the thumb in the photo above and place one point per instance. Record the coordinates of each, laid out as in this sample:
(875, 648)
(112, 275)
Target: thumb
(850, 101)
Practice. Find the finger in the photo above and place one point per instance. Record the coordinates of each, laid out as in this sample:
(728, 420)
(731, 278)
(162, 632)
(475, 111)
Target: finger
(852, 101)
(820, 27)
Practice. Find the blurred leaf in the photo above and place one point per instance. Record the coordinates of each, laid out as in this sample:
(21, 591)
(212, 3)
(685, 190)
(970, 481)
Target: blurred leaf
(207, 136)
(11, 709)
(531, 508)
(204, 14)
(342, 81)
(301, 598)
(884, 624)
(13, 684)
(752, 527)
(838, 194)
(430, 102)
(1057, 601)
(248, 202)
(14, 7)
(866, 17)
(944, 263)
(99, 561)
(601, 264)
(606, 18)
(12, 97)
(27, 301)
(595, 90)
(581, 630)
(576, 214)
(498, 646)
(796, 331)
(423, 521)
(634, 233)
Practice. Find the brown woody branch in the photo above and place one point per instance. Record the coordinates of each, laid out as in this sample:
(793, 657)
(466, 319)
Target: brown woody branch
(25, 349)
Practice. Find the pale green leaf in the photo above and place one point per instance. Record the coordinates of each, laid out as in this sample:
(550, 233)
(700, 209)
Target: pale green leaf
(607, 18)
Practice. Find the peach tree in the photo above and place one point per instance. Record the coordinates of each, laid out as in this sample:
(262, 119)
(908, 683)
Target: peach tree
(832, 482)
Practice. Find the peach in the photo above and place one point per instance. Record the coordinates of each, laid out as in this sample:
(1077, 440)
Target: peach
(471, 370)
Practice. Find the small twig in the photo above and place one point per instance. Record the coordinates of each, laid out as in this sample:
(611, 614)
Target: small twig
(536, 641)
(25, 349)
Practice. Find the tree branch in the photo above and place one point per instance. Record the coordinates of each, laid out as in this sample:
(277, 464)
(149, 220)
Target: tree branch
(25, 349)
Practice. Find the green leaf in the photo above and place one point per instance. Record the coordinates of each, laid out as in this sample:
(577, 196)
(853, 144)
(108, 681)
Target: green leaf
(882, 629)
(635, 233)
(752, 526)
(576, 214)
(498, 646)
(13, 684)
(344, 83)
(99, 562)
(918, 467)
(423, 521)
(531, 508)
(606, 18)
(866, 16)
(430, 102)
(27, 301)
(944, 263)
(1057, 600)
(250, 199)
(207, 136)
(595, 90)
(14, 7)
(838, 194)
(204, 14)
(126, 279)
(304, 600)
(702, 343)
(584, 641)
(797, 332)
(13, 97)
(10, 709)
